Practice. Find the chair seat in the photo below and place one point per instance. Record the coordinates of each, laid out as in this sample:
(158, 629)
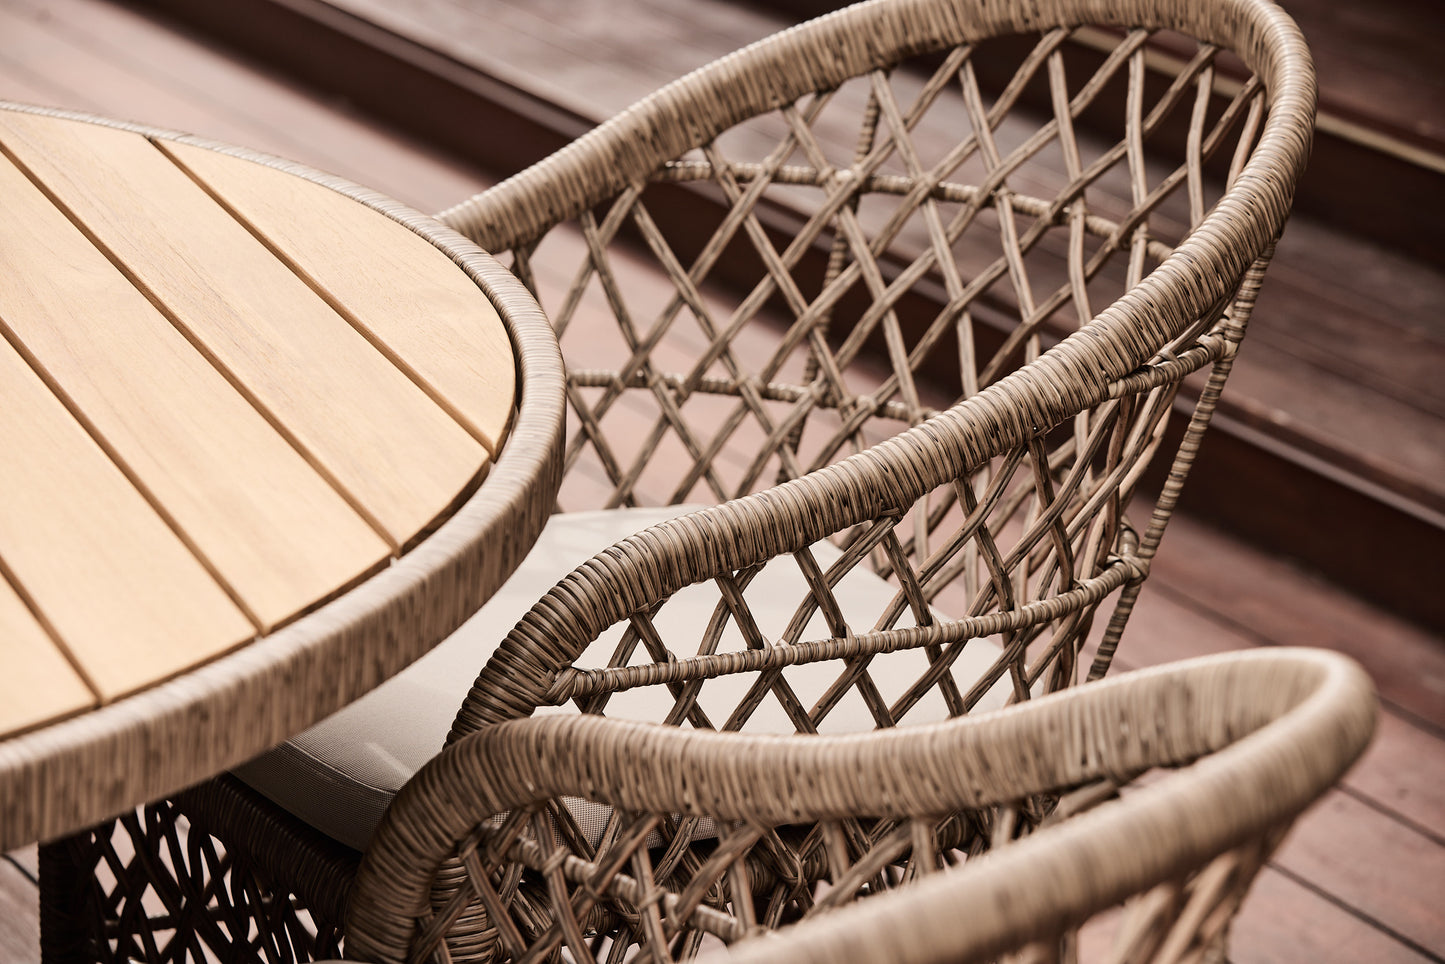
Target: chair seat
(340, 775)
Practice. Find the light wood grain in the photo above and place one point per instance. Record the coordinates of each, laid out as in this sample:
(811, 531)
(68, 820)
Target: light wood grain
(407, 296)
(38, 683)
(400, 458)
(271, 527)
(121, 590)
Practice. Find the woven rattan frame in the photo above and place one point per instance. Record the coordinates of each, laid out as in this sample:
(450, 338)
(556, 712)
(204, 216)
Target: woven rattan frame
(1109, 386)
(74, 773)
(1275, 728)
(1127, 349)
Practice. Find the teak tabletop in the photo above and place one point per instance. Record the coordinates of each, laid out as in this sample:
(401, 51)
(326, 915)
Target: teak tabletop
(230, 394)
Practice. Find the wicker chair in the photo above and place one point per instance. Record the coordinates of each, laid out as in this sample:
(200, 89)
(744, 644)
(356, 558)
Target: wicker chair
(1152, 864)
(917, 338)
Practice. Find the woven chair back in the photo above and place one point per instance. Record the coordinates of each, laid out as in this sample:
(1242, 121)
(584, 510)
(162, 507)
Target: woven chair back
(923, 281)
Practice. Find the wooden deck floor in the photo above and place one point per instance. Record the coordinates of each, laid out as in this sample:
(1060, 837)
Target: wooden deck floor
(1360, 879)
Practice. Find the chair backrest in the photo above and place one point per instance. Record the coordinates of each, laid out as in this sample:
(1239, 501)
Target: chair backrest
(926, 247)
(835, 233)
(1266, 733)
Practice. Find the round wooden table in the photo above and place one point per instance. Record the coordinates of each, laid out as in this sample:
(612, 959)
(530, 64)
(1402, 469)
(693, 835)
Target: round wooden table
(265, 438)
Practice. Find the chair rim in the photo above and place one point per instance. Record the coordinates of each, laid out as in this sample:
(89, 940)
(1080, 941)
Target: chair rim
(1059, 877)
(1263, 733)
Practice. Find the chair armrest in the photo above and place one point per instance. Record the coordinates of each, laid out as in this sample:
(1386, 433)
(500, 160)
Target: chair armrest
(1266, 732)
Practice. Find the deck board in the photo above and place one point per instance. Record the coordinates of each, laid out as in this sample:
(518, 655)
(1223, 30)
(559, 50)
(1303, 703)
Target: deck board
(1208, 592)
(1277, 602)
(95, 56)
(1303, 925)
(19, 913)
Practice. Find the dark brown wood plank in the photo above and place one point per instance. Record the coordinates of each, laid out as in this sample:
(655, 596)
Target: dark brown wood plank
(1399, 775)
(1274, 601)
(413, 87)
(19, 914)
(1209, 593)
(1379, 65)
(1390, 810)
(1341, 416)
(1286, 920)
(1392, 802)
(1391, 294)
(96, 56)
(591, 57)
(1262, 484)
(1403, 773)
(1337, 846)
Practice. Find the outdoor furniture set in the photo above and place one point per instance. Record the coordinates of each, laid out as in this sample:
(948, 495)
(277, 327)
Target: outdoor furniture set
(869, 350)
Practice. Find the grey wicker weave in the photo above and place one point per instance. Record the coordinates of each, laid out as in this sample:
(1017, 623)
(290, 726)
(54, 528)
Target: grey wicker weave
(918, 325)
(1153, 864)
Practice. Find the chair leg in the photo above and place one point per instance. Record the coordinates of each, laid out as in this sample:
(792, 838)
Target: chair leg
(65, 890)
(159, 885)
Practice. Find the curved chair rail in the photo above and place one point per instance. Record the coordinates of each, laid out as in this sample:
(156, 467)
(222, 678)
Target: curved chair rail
(1270, 731)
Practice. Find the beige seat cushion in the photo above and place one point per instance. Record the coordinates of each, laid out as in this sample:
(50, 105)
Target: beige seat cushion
(340, 775)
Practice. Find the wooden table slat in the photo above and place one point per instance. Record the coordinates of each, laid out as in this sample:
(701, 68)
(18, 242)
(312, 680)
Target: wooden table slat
(398, 456)
(403, 292)
(38, 684)
(272, 528)
(120, 588)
